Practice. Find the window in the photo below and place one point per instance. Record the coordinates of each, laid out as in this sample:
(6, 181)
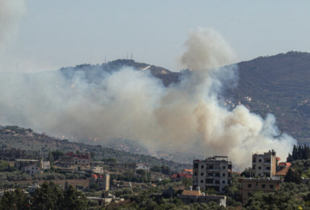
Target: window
(195, 174)
(224, 167)
(263, 186)
(249, 185)
(259, 168)
(202, 166)
(253, 167)
(223, 174)
(271, 186)
(268, 168)
(195, 165)
(223, 182)
(201, 174)
(260, 160)
(201, 181)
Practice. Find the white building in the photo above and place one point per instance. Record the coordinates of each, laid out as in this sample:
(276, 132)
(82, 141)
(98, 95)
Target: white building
(264, 165)
(97, 170)
(45, 165)
(33, 188)
(142, 166)
(31, 169)
(213, 173)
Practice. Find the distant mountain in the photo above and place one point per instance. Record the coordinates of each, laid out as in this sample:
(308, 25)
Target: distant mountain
(278, 84)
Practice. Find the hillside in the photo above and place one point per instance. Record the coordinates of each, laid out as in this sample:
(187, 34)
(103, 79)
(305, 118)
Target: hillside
(27, 139)
(280, 85)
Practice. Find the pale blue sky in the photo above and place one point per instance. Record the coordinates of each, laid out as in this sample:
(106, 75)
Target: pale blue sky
(64, 33)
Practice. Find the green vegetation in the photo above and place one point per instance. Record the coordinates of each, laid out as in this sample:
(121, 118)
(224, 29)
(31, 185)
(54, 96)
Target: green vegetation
(299, 153)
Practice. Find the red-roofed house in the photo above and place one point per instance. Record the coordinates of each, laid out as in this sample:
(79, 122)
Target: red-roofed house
(187, 171)
(180, 177)
(283, 165)
(70, 159)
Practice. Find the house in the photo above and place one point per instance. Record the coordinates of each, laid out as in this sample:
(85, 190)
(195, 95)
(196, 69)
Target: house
(107, 198)
(72, 159)
(212, 173)
(12, 154)
(45, 165)
(33, 188)
(97, 170)
(21, 163)
(251, 185)
(283, 165)
(142, 166)
(103, 181)
(31, 169)
(180, 177)
(265, 164)
(187, 171)
(196, 196)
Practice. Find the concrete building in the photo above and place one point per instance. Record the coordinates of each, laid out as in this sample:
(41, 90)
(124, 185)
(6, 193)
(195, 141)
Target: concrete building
(33, 188)
(103, 181)
(21, 163)
(31, 169)
(249, 185)
(213, 172)
(142, 166)
(72, 159)
(107, 198)
(187, 171)
(196, 196)
(12, 154)
(97, 170)
(264, 165)
(45, 165)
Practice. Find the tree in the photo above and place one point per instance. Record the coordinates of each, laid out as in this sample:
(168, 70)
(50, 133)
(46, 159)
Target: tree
(292, 176)
(51, 158)
(74, 199)
(15, 200)
(187, 182)
(49, 196)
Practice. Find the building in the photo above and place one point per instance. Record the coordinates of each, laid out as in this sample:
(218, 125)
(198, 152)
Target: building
(45, 165)
(142, 166)
(180, 177)
(103, 181)
(21, 163)
(33, 188)
(12, 154)
(196, 196)
(107, 198)
(283, 165)
(71, 159)
(31, 169)
(264, 165)
(213, 172)
(97, 170)
(187, 171)
(249, 185)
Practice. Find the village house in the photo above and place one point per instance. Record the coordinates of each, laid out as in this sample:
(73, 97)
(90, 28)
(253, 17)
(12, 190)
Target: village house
(142, 166)
(251, 185)
(103, 181)
(107, 198)
(180, 177)
(187, 171)
(45, 165)
(196, 196)
(21, 163)
(31, 169)
(71, 159)
(12, 154)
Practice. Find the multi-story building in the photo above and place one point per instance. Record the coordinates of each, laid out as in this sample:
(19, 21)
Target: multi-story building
(31, 169)
(251, 185)
(12, 154)
(103, 181)
(264, 165)
(21, 163)
(213, 172)
(70, 159)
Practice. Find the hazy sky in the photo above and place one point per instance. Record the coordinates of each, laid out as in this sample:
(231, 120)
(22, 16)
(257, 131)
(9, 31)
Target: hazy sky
(59, 33)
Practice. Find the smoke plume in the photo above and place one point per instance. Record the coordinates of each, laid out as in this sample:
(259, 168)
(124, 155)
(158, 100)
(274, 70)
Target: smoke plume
(11, 12)
(186, 116)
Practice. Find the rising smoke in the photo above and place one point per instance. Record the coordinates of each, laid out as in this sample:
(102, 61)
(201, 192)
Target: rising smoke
(11, 11)
(186, 116)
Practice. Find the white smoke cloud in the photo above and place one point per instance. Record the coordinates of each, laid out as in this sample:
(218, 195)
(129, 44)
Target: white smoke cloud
(11, 11)
(181, 117)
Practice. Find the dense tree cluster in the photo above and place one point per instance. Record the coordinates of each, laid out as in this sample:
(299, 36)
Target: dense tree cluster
(49, 196)
(162, 169)
(299, 153)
